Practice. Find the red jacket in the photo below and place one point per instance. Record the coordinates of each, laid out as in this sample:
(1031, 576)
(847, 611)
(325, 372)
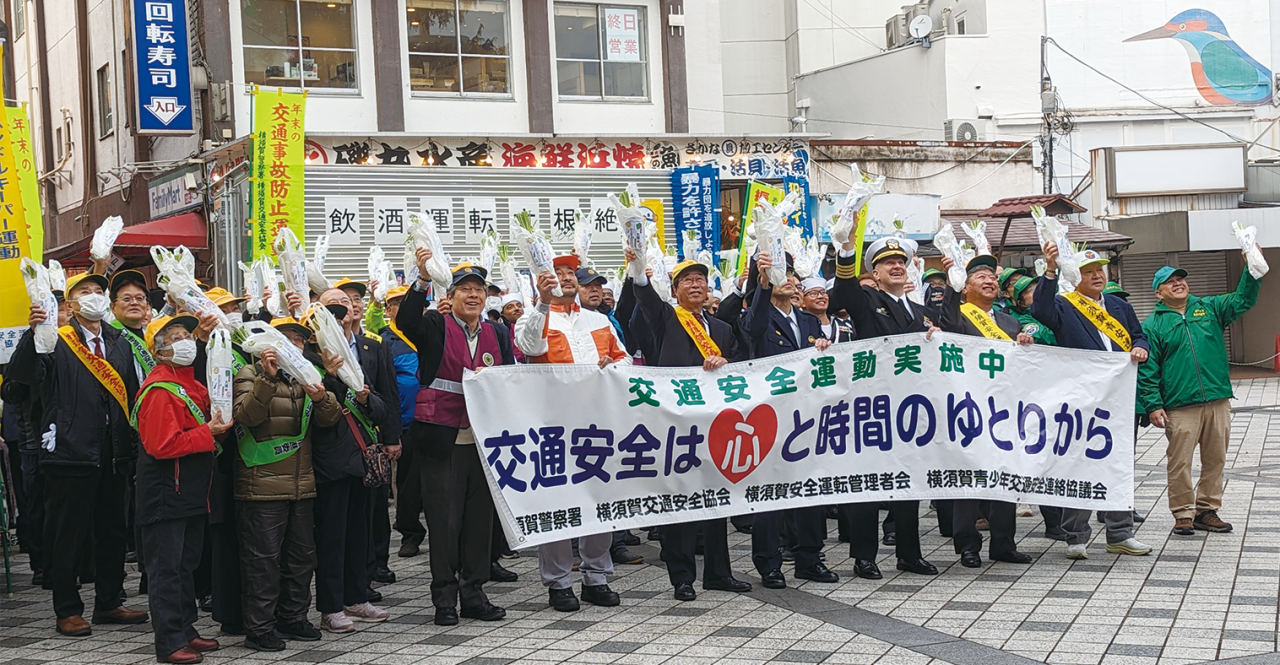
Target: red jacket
(175, 461)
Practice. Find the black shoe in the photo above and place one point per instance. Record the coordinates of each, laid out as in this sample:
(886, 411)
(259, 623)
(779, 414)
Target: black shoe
(745, 528)
(601, 595)
(817, 573)
(1013, 557)
(890, 539)
(499, 574)
(206, 604)
(787, 555)
(1100, 518)
(773, 579)
(302, 631)
(383, 575)
(919, 567)
(131, 557)
(484, 612)
(831, 512)
(232, 629)
(408, 549)
(1138, 518)
(654, 534)
(446, 616)
(562, 600)
(37, 578)
(629, 539)
(372, 595)
(264, 642)
(684, 591)
(970, 560)
(867, 569)
(726, 584)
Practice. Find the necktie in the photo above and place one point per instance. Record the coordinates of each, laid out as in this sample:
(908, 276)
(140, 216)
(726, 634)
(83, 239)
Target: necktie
(97, 347)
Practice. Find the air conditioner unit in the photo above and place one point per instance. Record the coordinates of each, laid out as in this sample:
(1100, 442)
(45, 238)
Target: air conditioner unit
(914, 10)
(895, 31)
(964, 129)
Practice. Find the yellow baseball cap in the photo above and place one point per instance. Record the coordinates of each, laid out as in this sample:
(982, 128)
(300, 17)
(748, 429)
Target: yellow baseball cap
(185, 320)
(221, 296)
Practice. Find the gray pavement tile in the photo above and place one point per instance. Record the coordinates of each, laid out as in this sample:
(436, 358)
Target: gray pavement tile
(1046, 626)
(528, 607)
(1152, 613)
(15, 642)
(481, 660)
(1257, 572)
(1134, 650)
(963, 606)
(570, 624)
(616, 647)
(413, 618)
(1179, 558)
(686, 611)
(642, 595)
(446, 639)
(738, 631)
(1261, 549)
(315, 656)
(801, 656)
(1249, 635)
(1168, 584)
(1066, 593)
(1254, 600)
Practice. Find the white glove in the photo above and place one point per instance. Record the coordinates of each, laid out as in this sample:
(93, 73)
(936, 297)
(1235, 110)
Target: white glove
(49, 440)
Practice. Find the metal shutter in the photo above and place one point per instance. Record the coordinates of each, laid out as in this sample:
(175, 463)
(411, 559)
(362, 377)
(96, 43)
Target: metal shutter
(457, 183)
(1206, 275)
(1136, 272)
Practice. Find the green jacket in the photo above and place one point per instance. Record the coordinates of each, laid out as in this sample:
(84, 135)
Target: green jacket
(1038, 331)
(1188, 361)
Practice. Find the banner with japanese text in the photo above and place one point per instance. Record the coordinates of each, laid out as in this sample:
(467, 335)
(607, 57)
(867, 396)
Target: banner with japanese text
(695, 198)
(277, 166)
(24, 159)
(571, 450)
(14, 245)
(756, 192)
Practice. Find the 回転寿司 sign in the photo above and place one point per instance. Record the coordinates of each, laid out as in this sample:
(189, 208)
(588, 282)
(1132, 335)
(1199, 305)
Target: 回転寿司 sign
(162, 67)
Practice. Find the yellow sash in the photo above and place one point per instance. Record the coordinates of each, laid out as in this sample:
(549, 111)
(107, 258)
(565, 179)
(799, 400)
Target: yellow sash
(983, 322)
(1101, 318)
(98, 367)
(706, 346)
(396, 329)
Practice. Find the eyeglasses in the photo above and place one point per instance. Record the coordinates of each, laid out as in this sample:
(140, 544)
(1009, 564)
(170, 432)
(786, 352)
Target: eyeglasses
(130, 300)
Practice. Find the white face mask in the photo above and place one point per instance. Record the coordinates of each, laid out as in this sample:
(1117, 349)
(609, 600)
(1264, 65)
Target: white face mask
(184, 352)
(235, 319)
(94, 306)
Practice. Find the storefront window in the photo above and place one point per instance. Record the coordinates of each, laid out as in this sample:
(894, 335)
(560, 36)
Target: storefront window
(299, 43)
(458, 46)
(600, 51)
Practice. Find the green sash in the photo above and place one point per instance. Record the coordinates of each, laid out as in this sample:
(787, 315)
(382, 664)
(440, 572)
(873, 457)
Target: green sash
(255, 453)
(180, 393)
(371, 432)
(139, 348)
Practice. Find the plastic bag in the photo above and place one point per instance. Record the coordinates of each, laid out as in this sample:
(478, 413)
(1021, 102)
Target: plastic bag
(770, 230)
(1053, 231)
(255, 337)
(275, 301)
(57, 276)
(40, 292)
(315, 267)
(858, 195)
(423, 234)
(945, 241)
(915, 272)
(104, 238)
(582, 243)
(690, 243)
(378, 268)
(177, 278)
(535, 246)
(489, 250)
(220, 375)
(252, 286)
(1249, 244)
(631, 219)
(409, 263)
(332, 339)
(977, 230)
(293, 266)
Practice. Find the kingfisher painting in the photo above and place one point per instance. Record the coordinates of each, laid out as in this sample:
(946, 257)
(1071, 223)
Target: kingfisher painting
(1224, 74)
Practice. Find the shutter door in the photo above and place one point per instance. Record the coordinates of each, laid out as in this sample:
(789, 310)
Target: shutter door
(1206, 276)
(501, 184)
(1136, 273)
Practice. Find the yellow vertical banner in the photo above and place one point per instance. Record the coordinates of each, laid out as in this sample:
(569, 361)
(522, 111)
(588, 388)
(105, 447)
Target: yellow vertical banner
(277, 166)
(14, 302)
(655, 206)
(24, 158)
(756, 192)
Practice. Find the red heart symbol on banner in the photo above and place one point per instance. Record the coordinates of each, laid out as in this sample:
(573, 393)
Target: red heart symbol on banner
(739, 445)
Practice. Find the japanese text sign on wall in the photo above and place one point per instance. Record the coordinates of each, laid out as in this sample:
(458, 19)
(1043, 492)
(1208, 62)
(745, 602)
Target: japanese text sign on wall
(896, 418)
(695, 195)
(342, 220)
(389, 220)
(162, 67)
(13, 239)
(277, 174)
(621, 34)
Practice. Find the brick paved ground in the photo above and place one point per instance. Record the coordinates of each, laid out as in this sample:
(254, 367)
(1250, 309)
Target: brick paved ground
(1194, 599)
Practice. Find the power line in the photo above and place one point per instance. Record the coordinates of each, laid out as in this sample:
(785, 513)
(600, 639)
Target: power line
(844, 26)
(842, 122)
(993, 171)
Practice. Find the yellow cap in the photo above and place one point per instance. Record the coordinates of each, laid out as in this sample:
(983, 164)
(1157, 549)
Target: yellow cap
(221, 296)
(290, 323)
(348, 283)
(397, 292)
(688, 264)
(185, 320)
(74, 280)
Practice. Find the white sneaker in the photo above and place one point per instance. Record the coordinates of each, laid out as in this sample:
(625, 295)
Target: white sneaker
(1132, 546)
(1025, 510)
(337, 623)
(367, 612)
(1077, 552)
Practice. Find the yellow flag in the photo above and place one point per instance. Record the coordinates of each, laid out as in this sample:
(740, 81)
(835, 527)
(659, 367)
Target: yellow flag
(279, 149)
(24, 158)
(757, 191)
(13, 242)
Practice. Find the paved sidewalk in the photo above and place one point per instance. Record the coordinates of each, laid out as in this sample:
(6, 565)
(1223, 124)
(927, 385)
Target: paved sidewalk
(1194, 599)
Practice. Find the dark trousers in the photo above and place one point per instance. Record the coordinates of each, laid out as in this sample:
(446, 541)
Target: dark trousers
(173, 551)
(78, 507)
(459, 515)
(409, 497)
(379, 528)
(31, 517)
(946, 515)
(744, 521)
(679, 542)
(498, 540)
(226, 574)
(807, 525)
(864, 529)
(1002, 517)
(277, 558)
(342, 543)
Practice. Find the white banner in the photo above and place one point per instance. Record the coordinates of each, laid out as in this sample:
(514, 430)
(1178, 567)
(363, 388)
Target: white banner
(571, 450)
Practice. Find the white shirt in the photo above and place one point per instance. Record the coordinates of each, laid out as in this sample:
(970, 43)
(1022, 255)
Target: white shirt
(795, 325)
(89, 338)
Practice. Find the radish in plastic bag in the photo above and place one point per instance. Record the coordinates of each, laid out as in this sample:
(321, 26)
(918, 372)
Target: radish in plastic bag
(489, 250)
(40, 292)
(255, 337)
(1053, 231)
(378, 274)
(770, 233)
(861, 191)
(632, 220)
(1249, 245)
(423, 234)
(177, 278)
(219, 371)
(104, 238)
(977, 230)
(293, 266)
(273, 289)
(315, 267)
(945, 241)
(252, 286)
(57, 277)
(535, 246)
(582, 243)
(332, 339)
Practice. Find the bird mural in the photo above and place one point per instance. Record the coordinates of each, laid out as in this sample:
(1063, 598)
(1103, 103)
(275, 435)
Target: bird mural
(1224, 74)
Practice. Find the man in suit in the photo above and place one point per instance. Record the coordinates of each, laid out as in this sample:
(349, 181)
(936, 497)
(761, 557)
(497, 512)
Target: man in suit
(684, 337)
(1087, 319)
(776, 327)
(975, 316)
(878, 312)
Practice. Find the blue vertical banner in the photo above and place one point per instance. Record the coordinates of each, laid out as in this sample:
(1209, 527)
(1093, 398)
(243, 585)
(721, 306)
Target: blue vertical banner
(801, 218)
(695, 197)
(162, 67)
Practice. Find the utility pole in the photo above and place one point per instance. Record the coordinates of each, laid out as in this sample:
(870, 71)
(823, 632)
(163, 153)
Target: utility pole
(1048, 107)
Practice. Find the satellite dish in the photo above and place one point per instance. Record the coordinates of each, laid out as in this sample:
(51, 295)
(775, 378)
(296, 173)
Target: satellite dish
(921, 26)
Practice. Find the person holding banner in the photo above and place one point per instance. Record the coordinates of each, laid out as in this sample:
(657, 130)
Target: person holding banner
(175, 471)
(685, 337)
(881, 311)
(1088, 319)
(85, 386)
(559, 331)
(976, 317)
(455, 493)
(776, 328)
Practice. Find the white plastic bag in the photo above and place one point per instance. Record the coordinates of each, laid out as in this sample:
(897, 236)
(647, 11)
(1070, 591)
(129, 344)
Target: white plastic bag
(489, 250)
(293, 267)
(631, 219)
(219, 371)
(177, 278)
(275, 302)
(1248, 238)
(977, 230)
(582, 243)
(690, 243)
(258, 336)
(330, 337)
(915, 271)
(770, 233)
(858, 195)
(315, 267)
(409, 263)
(57, 276)
(423, 234)
(104, 238)
(380, 272)
(253, 286)
(535, 246)
(945, 241)
(40, 292)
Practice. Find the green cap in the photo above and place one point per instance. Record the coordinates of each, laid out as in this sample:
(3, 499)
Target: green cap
(1009, 273)
(981, 261)
(931, 272)
(1115, 289)
(1022, 285)
(1164, 274)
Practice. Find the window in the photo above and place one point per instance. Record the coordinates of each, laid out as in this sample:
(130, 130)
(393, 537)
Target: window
(299, 43)
(960, 25)
(105, 93)
(600, 51)
(19, 18)
(458, 46)
(57, 139)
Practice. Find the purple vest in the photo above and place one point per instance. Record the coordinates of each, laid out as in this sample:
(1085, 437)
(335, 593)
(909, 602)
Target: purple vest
(442, 402)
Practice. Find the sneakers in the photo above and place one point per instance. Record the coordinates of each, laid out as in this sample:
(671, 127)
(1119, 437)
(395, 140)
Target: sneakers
(1077, 552)
(300, 630)
(1209, 521)
(337, 622)
(1183, 527)
(1025, 510)
(264, 642)
(367, 612)
(1131, 546)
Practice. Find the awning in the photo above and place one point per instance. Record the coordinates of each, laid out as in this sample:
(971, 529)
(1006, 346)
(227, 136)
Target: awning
(134, 243)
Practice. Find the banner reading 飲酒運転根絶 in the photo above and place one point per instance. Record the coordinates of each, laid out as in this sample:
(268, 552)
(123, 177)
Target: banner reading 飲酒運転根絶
(571, 450)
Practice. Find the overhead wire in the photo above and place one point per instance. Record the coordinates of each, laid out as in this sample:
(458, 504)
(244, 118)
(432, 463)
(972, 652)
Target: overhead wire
(835, 20)
(993, 171)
